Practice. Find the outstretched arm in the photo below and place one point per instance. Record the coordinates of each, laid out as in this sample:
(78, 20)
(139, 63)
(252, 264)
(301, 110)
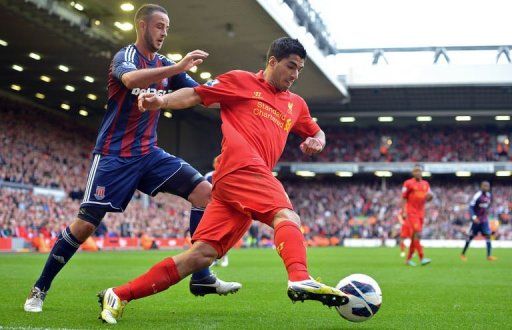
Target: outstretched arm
(181, 99)
(144, 77)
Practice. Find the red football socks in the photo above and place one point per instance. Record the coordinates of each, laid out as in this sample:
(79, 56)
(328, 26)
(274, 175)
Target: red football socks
(419, 248)
(290, 245)
(158, 278)
(412, 247)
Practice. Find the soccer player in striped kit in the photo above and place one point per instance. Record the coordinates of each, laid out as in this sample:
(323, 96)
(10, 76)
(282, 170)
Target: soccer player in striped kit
(126, 155)
(479, 210)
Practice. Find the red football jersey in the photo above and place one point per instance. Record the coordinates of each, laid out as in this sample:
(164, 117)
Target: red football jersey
(416, 194)
(256, 119)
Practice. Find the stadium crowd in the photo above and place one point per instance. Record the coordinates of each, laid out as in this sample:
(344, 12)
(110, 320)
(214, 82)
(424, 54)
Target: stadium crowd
(410, 144)
(40, 150)
(43, 150)
(362, 210)
(343, 210)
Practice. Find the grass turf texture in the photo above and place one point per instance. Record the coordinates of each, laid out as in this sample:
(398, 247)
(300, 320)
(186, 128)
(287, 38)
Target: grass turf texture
(446, 294)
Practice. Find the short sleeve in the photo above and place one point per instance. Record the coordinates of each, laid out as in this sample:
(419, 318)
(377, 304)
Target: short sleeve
(221, 90)
(305, 126)
(123, 62)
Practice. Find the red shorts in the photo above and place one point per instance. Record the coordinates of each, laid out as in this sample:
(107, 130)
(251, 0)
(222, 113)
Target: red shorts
(416, 223)
(239, 197)
(406, 230)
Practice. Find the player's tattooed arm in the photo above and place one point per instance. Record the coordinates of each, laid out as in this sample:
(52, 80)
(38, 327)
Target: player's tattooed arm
(313, 145)
(181, 99)
(144, 77)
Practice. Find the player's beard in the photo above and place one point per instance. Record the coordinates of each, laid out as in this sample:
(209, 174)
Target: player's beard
(150, 43)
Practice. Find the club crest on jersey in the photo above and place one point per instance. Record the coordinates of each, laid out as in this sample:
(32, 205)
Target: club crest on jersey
(290, 107)
(100, 193)
(212, 83)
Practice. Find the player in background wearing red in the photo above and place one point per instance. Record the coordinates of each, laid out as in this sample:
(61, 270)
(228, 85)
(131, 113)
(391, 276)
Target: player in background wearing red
(405, 232)
(258, 112)
(415, 193)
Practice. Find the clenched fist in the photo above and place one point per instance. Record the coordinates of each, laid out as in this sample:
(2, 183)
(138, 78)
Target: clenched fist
(150, 101)
(311, 146)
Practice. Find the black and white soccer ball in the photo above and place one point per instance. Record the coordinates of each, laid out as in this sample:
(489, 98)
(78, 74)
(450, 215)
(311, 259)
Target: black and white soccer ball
(365, 297)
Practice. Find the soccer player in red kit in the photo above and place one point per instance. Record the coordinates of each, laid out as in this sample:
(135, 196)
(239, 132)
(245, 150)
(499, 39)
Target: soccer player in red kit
(258, 112)
(415, 193)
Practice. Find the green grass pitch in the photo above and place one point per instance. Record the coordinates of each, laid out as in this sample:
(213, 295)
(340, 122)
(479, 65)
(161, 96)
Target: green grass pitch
(444, 295)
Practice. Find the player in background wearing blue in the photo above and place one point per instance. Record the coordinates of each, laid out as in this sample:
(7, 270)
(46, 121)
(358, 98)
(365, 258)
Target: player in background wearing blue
(479, 209)
(126, 155)
(224, 261)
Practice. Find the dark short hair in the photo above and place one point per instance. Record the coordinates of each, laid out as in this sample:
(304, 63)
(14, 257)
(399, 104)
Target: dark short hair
(284, 47)
(147, 10)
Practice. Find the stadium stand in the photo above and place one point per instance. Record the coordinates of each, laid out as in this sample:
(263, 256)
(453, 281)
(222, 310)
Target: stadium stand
(413, 144)
(36, 151)
(42, 150)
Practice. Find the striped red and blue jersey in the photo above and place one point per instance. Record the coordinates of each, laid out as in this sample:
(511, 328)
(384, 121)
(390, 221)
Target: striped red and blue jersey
(125, 131)
(480, 205)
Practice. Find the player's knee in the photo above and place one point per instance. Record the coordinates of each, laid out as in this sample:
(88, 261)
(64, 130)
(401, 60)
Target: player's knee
(201, 255)
(286, 215)
(201, 194)
(81, 229)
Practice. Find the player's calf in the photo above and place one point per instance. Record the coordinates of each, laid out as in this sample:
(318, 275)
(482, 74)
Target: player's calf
(202, 255)
(199, 256)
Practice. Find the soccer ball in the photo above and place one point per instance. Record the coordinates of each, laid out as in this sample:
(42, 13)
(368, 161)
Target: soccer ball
(365, 297)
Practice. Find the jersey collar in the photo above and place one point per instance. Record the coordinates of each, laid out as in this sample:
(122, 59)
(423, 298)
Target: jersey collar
(144, 57)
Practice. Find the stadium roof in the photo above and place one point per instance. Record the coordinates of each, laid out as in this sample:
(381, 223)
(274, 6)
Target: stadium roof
(237, 37)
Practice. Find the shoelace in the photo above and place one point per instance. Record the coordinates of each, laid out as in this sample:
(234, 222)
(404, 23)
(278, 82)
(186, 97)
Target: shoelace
(38, 294)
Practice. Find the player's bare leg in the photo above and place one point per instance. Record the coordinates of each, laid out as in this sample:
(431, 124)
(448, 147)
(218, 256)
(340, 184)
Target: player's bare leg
(419, 248)
(204, 282)
(401, 243)
(65, 247)
(290, 246)
(412, 248)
